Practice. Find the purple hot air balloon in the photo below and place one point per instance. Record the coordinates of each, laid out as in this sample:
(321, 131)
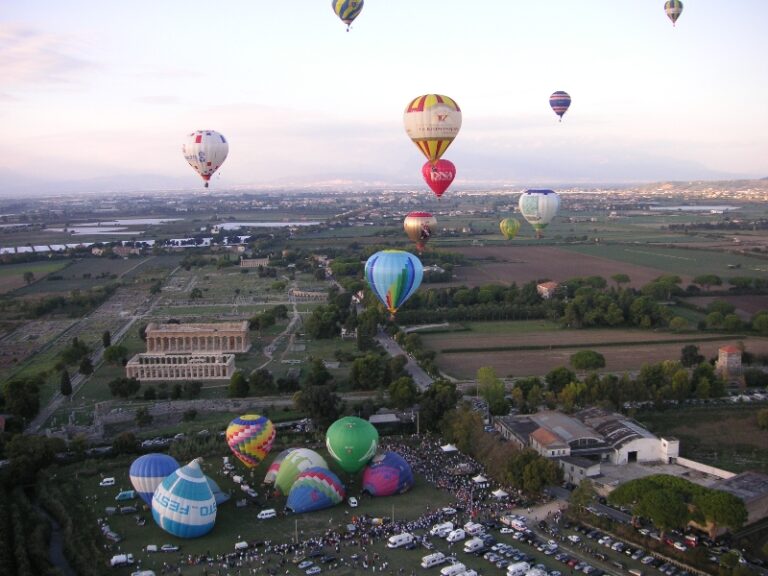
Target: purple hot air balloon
(387, 474)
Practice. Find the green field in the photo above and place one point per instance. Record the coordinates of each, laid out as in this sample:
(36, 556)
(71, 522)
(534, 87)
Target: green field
(723, 436)
(688, 262)
(12, 275)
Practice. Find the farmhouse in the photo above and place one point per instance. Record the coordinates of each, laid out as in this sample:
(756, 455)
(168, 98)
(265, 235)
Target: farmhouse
(728, 366)
(547, 289)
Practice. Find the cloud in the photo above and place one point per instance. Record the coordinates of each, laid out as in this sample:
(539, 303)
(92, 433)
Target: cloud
(30, 57)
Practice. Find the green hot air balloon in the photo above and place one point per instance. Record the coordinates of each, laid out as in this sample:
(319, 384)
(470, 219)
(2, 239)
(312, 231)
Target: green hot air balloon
(509, 227)
(294, 464)
(352, 442)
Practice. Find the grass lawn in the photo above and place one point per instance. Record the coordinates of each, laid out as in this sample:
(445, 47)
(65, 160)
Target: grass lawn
(723, 436)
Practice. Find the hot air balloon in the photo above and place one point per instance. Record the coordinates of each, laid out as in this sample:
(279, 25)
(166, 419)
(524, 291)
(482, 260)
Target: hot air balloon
(218, 494)
(205, 150)
(673, 8)
(393, 276)
(560, 101)
(347, 10)
(183, 504)
(274, 467)
(315, 488)
(294, 464)
(387, 474)
(539, 207)
(439, 175)
(419, 227)
(509, 227)
(351, 442)
(432, 122)
(250, 438)
(147, 472)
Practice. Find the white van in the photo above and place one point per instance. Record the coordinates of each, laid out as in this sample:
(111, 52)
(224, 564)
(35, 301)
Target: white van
(453, 569)
(473, 528)
(237, 479)
(121, 560)
(441, 530)
(536, 572)
(432, 560)
(267, 513)
(518, 569)
(469, 572)
(456, 535)
(151, 548)
(107, 482)
(399, 540)
(473, 545)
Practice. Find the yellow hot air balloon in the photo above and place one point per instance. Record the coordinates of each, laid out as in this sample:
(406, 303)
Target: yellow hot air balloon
(509, 227)
(419, 227)
(432, 122)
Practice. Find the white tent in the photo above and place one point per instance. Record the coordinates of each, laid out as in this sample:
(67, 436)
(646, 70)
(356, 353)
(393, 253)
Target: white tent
(480, 479)
(449, 448)
(499, 494)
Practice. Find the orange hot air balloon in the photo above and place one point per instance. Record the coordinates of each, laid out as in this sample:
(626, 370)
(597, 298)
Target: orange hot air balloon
(439, 175)
(419, 227)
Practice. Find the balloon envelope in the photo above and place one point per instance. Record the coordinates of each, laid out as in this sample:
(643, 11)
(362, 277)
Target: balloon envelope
(509, 227)
(347, 10)
(393, 276)
(294, 464)
(352, 442)
(560, 101)
(274, 467)
(439, 175)
(315, 488)
(387, 474)
(250, 438)
(539, 207)
(673, 8)
(205, 150)
(183, 504)
(147, 472)
(218, 494)
(419, 227)
(432, 121)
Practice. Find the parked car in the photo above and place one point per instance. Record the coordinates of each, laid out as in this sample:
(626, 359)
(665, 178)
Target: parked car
(169, 548)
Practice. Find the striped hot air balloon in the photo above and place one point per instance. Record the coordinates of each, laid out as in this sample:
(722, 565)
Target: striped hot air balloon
(387, 474)
(393, 276)
(347, 10)
(250, 438)
(294, 464)
(147, 472)
(560, 101)
(314, 489)
(432, 121)
(673, 8)
(183, 504)
(274, 467)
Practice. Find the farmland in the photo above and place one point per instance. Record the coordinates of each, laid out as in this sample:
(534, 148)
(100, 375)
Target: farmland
(531, 352)
(12, 275)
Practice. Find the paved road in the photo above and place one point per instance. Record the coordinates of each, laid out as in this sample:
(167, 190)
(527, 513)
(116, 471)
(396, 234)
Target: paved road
(420, 377)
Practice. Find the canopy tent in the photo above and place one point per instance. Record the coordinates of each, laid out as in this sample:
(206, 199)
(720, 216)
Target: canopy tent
(449, 448)
(499, 494)
(480, 479)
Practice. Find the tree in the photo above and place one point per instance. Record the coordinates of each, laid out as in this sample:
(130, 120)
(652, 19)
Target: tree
(369, 372)
(317, 374)
(196, 293)
(126, 443)
(86, 366)
(760, 323)
(587, 360)
(22, 396)
(29, 277)
(664, 507)
(678, 324)
(115, 354)
(124, 387)
(583, 495)
(143, 417)
(262, 382)
(65, 384)
(320, 403)
(689, 356)
(707, 280)
(436, 402)
(106, 339)
(403, 392)
(762, 419)
(238, 385)
(620, 279)
(491, 389)
(558, 378)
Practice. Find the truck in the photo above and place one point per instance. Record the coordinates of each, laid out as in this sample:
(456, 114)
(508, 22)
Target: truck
(399, 540)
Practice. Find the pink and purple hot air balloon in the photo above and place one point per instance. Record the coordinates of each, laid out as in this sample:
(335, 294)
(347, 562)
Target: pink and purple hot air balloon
(387, 474)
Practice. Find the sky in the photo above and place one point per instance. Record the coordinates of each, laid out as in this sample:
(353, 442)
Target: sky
(102, 93)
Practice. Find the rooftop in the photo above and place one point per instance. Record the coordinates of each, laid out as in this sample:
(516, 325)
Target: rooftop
(748, 486)
(214, 326)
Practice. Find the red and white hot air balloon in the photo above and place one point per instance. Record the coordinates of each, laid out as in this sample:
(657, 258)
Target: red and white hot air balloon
(439, 175)
(205, 150)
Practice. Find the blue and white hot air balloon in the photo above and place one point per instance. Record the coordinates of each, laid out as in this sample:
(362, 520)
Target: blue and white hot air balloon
(148, 471)
(183, 504)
